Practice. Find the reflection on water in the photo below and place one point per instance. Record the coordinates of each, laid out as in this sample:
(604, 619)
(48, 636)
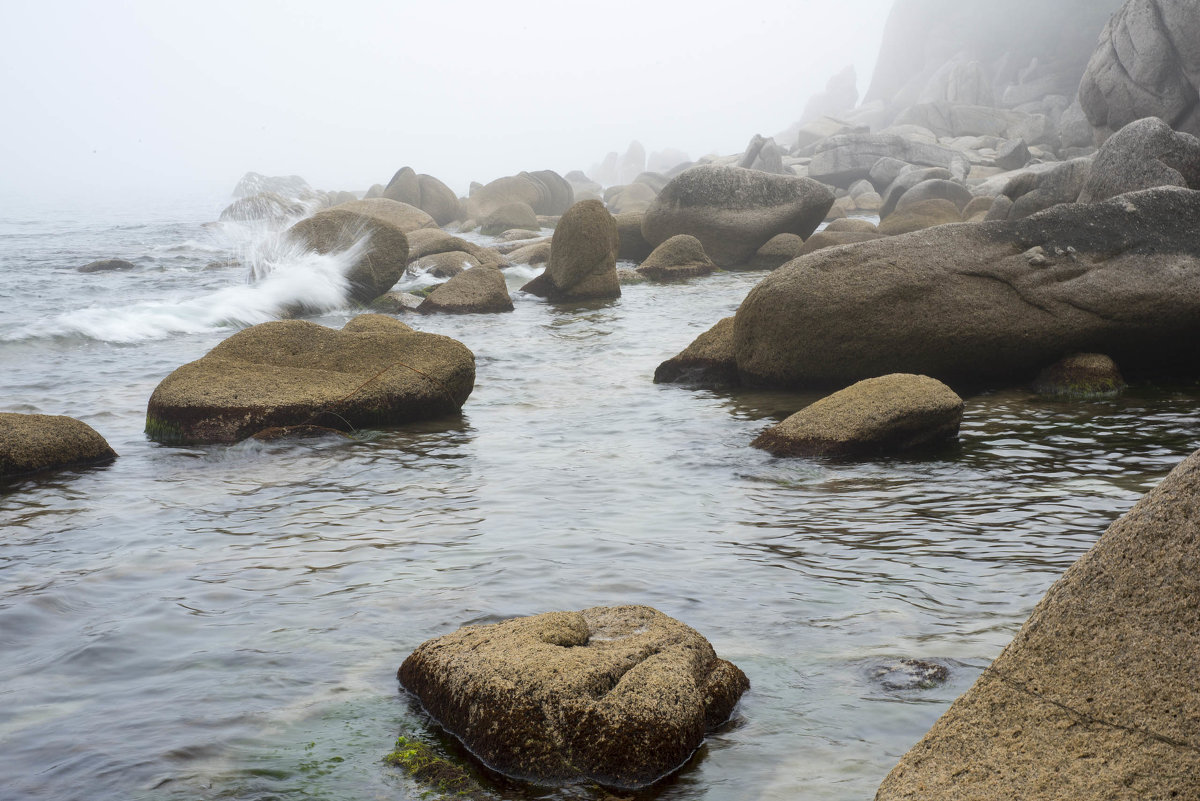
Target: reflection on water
(226, 622)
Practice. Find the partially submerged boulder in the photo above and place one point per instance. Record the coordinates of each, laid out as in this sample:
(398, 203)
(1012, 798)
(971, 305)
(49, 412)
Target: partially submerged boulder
(709, 361)
(474, 291)
(620, 696)
(383, 253)
(106, 266)
(1081, 376)
(376, 371)
(1096, 697)
(30, 443)
(734, 211)
(583, 257)
(986, 304)
(681, 256)
(888, 414)
(511, 216)
(263, 206)
(778, 250)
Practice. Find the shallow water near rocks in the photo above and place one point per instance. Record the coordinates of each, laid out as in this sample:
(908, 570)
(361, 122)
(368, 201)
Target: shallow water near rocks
(226, 622)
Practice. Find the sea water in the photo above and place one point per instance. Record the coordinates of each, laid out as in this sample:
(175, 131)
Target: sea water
(227, 621)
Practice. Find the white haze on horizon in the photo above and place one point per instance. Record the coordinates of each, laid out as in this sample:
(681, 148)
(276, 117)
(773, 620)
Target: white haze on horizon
(147, 97)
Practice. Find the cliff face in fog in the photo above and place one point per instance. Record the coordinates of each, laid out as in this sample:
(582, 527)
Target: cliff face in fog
(1005, 53)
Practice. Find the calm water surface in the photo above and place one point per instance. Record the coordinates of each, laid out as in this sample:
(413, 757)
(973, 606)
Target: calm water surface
(226, 622)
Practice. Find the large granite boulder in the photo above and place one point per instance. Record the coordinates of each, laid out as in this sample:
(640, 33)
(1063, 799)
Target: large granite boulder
(376, 371)
(381, 247)
(508, 217)
(263, 206)
(583, 256)
(1096, 698)
(398, 215)
(1034, 191)
(474, 291)
(1147, 64)
(763, 154)
(1143, 154)
(888, 414)
(681, 256)
(986, 303)
(634, 246)
(30, 443)
(619, 696)
(734, 211)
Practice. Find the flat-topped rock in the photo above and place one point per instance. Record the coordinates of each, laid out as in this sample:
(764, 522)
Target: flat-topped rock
(30, 443)
(620, 696)
(478, 290)
(888, 414)
(375, 371)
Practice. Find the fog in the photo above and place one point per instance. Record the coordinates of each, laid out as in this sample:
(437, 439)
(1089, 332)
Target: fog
(145, 97)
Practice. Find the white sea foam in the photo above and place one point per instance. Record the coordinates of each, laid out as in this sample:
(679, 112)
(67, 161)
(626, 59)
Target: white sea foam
(283, 277)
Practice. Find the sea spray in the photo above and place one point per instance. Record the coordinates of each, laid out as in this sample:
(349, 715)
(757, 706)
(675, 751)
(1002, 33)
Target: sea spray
(283, 278)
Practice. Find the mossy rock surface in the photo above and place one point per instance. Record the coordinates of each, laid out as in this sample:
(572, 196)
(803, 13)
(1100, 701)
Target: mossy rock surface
(376, 371)
(1081, 376)
(435, 771)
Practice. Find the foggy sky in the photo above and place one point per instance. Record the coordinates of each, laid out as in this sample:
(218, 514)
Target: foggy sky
(154, 96)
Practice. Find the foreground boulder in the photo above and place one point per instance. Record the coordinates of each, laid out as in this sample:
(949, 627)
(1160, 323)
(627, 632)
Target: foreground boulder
(382, 247)
(1144, 154)
(1096, 697)
(986, 303)
(619, 696)
(734, 211)
(583, 257)
(888, 414)
(33, 442)
(376, 371)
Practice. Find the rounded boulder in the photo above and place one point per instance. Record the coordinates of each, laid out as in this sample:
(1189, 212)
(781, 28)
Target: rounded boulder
(30, 443)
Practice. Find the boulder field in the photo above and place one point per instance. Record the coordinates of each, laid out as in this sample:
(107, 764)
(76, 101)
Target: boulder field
(620, 696)
(375, 371)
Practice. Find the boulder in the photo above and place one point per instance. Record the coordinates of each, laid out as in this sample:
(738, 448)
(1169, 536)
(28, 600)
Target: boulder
(819, 129)
(1081, 376)
(920, 215)
(380, 262)
(1033, 192)
(557, 194)
(1147, 64)
(509, 216)
(634, 246)
(534, 255)
(906, 180)
(1012, 155)
(887, 169)
(681, 256)
(583, 257)
(541, 192)
(708, 361)
(619, 696)
(764, 155)
(632, 198)
(888, 414)
(734, 211)
(977, 209)
(833, 238)
(398, 215)
(30, 443)
(1096, 697)
(778, 250)
(477, 290)
(106, 266)
(856, 225)
(1144, 154)
(952, 120)
(986, 304)
(842, 160)
(375, 371)
(396, 303)
(443, 265)
(375, 191)
(263, 206)
(936, 189)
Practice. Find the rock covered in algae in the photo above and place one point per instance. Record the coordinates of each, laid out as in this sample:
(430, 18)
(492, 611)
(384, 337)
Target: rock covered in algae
(619, 695)
(376, 371)
(33, 442)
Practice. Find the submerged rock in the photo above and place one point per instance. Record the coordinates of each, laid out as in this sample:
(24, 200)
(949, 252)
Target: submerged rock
(1081, 375)
(908, 674)
(620, 696)
(30, 443)
(376, 371)
(106, 266)
(734, 211)
(1096, 697)
(888, 414)
(583, 257)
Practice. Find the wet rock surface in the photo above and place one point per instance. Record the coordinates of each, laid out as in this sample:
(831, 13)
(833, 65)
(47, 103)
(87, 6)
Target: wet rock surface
(30, 443)
(620, 696)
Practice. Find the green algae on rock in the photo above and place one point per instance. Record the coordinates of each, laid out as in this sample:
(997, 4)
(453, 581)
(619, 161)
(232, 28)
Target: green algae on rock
(376, 371)
(440, 774)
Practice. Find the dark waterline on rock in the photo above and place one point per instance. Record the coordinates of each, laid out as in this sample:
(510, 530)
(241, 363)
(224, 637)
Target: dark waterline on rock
(226, 622)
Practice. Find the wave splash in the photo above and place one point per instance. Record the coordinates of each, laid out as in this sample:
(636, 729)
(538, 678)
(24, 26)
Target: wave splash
(284, 277)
